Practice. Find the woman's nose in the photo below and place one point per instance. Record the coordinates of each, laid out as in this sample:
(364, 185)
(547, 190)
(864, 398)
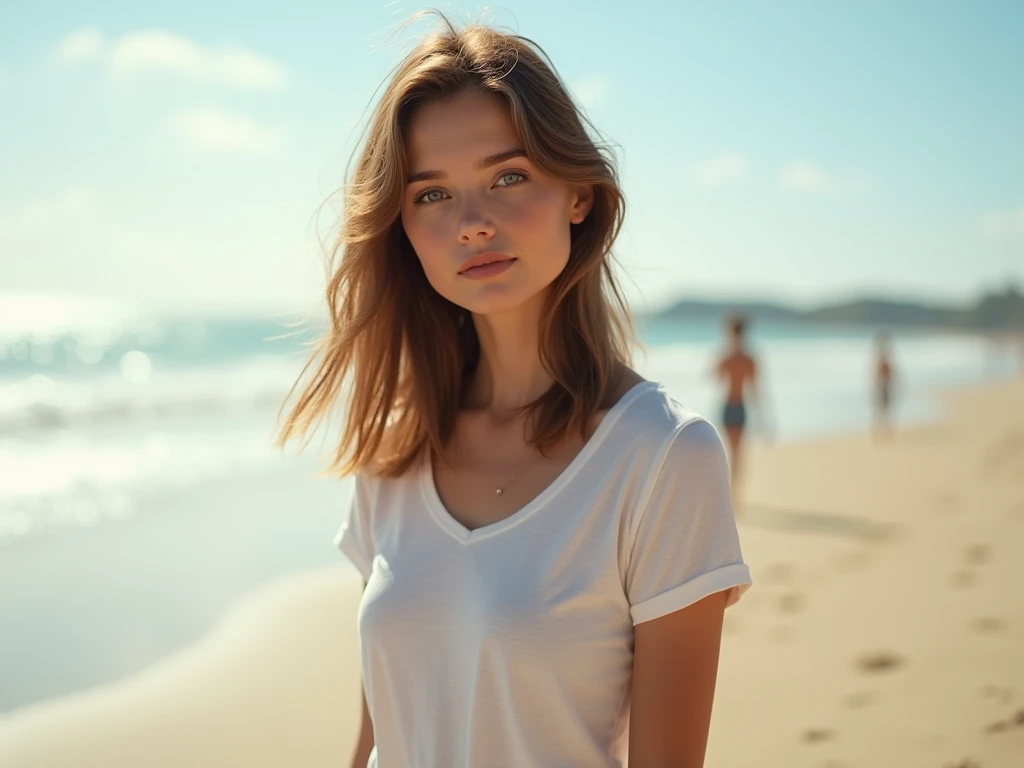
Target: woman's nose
(474, 225)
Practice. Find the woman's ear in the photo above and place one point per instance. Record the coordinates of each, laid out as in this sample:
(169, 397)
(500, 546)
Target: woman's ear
(583, 201)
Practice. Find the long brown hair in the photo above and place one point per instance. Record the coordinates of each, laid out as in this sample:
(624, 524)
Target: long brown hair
(398, 350)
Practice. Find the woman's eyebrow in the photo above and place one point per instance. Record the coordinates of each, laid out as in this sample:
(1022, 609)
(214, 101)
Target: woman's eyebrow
(487, 162)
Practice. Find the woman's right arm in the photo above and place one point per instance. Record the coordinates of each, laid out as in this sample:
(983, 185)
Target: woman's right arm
(366, 742)
(365, 745)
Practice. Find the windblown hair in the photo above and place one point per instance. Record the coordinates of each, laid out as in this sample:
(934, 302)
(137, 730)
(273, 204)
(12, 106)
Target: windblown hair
(401, 352)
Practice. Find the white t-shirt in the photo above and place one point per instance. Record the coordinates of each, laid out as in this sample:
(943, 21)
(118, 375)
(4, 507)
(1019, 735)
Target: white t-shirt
(512, 644)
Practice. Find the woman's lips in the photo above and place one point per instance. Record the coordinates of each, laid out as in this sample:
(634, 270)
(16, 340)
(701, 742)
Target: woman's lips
(484, 271)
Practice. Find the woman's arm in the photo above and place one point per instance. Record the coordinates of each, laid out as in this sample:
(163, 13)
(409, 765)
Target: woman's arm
(365, 745)
(675, 665)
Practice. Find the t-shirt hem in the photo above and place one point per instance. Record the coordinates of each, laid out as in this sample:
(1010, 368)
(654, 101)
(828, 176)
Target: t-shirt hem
(735, 578)
(348, 548)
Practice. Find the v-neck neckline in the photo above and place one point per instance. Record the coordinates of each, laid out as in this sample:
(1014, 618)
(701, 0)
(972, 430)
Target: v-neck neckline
(464, 535)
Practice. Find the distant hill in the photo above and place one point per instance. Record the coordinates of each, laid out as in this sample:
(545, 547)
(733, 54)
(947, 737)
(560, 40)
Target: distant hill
(991, 312)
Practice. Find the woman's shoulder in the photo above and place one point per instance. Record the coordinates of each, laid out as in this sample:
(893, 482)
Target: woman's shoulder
(654, 419)
(653, 406)
(660, 442)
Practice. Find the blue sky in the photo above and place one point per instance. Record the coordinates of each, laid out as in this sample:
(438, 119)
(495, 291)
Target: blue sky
(176, 154)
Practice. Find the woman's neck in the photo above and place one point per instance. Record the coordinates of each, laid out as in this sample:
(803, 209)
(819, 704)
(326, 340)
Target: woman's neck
(509, 374)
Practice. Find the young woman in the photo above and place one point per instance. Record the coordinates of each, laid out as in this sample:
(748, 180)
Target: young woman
(546, 538)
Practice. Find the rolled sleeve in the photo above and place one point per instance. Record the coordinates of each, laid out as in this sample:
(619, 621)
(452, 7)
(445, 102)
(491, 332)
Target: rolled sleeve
(686, 545)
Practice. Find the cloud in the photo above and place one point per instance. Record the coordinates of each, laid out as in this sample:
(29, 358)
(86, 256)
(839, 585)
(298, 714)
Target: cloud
(721, 169)
(82, 45)
(73, 203)
(805, 177)
(814, 180)
(591, 92)
(159, 51)
(212, 128)
(1003, 222)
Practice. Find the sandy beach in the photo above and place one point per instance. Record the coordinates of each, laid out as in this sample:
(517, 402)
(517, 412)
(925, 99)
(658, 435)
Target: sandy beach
(884, 628)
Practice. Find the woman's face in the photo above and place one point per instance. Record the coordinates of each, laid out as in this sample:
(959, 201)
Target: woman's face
(473, 195)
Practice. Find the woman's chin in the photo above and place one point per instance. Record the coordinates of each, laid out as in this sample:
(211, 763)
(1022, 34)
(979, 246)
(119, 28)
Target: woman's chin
(498, 300)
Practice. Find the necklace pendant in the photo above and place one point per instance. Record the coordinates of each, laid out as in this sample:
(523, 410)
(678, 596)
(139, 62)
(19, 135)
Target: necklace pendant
(499, 492)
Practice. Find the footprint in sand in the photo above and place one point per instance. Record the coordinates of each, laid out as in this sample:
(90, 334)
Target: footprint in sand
(879, 661)
(1004, 695)
(791, 603)
(1015, 720)
(998, 726)
(977, 554)
(988, 624)
(963, 764)
(816, 735)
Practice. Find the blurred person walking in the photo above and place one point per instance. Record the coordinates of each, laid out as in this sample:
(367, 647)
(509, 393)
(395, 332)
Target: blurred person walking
(884, 382)
(737, 370)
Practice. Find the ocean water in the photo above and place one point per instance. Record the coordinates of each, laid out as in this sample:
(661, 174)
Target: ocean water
(101, 414)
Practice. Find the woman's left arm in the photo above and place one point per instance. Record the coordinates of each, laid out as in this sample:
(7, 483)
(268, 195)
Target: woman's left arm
(675, 665)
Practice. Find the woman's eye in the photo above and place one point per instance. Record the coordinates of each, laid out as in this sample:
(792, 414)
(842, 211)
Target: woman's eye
(510, 179)
(430, 196)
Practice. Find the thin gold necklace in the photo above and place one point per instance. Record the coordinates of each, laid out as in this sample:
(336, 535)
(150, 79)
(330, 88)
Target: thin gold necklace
(501, 491)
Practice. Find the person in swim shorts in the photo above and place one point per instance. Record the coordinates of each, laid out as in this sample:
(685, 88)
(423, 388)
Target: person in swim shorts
(737, 370)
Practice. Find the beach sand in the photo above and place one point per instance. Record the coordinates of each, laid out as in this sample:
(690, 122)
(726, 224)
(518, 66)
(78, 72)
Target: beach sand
(885, 628)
